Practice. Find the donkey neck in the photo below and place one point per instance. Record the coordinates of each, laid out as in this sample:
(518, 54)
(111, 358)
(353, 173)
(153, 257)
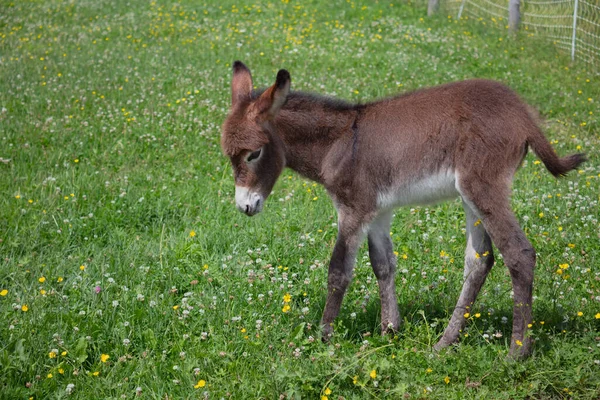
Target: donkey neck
(309, 125)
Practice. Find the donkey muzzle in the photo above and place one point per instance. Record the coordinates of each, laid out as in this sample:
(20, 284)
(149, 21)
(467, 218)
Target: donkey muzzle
(248, 202)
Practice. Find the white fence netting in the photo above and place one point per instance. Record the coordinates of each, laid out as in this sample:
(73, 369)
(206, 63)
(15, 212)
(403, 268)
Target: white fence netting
(573, 25)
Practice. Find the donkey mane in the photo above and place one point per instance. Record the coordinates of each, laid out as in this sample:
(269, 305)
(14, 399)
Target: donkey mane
(298, 100)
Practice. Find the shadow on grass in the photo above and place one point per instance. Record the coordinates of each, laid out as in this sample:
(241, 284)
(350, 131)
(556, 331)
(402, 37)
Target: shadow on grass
(424, 325)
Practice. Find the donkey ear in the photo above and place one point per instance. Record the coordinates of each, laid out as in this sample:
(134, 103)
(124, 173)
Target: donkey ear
(271, 101)
(241, 83)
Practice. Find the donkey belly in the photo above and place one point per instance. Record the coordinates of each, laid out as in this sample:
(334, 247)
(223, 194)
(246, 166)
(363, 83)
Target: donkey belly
(426, 190)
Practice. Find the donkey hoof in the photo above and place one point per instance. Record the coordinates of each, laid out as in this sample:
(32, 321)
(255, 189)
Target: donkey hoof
(520, 350)
(442, 344)
(326, 332)
(389, 329)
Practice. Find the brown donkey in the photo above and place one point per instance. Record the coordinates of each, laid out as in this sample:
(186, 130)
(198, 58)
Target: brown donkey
(462, 139)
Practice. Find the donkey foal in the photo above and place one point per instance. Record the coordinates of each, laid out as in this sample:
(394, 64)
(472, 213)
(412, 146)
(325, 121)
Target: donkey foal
(462, 139)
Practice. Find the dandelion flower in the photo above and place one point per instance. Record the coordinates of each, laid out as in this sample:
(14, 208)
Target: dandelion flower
(192, 233)
(327, 391)
(24, 308)
(580, 314)
(42, 279)
(3, 292)
(597, 316)
(104, 358)
(82, 267)
(447, 380)
(466, 315)
(286, 308)
(373, 374)
(287, 298)
(201, 383)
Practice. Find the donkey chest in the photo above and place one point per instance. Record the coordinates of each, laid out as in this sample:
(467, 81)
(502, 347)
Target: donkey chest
(425, 190)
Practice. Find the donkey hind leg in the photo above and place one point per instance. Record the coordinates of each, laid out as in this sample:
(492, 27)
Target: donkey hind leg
(479, 259)
(518, 253)
(383, 261)
(350, 235)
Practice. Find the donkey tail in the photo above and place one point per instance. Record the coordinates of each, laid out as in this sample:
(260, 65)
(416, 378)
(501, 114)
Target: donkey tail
(558, 166)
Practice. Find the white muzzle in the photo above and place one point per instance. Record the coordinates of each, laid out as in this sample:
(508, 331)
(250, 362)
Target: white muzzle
(250, 203)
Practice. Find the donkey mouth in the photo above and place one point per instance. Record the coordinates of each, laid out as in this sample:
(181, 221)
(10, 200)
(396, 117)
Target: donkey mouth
(248, 202)
(253, 209)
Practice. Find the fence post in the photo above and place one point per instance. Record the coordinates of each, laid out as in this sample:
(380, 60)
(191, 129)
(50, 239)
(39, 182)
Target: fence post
(460, 10)
(433, 7)
(514, 15)
(574, 30)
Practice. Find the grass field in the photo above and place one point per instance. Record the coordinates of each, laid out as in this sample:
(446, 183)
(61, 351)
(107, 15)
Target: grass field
(125, 269)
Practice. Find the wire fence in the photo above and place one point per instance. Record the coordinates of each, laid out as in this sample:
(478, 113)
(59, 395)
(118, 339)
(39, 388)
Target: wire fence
(573, 25)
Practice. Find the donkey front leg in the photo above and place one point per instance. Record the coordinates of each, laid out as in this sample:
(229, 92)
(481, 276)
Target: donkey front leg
(350, 234)
(383, 261)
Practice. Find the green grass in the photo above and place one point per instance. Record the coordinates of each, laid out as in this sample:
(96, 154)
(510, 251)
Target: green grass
(110, 117)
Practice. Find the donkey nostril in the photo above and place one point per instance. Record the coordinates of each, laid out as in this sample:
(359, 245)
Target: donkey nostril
(247, 208)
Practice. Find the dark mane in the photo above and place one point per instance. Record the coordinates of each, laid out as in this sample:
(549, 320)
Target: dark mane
(307, 101)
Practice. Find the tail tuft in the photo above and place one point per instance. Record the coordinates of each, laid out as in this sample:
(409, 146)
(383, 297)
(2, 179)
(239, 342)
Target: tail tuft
(561, 166)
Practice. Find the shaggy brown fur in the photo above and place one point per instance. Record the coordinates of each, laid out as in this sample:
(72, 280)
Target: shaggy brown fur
(462, 139)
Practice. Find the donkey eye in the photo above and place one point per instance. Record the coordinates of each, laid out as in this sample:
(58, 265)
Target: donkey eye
(254, 155)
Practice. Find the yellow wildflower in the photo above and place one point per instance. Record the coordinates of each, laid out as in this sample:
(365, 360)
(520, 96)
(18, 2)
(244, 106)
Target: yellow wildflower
(373, 374)
(201, 383)
(42, 279)
(104, 357)
(3, 292)
(447, 380)
(192, 233)
(24, 308)
(287, 298)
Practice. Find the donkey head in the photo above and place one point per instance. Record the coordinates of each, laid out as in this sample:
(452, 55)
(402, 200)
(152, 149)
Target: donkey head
(249, 140)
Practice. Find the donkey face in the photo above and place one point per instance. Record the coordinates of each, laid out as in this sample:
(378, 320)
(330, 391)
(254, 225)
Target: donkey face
(248, 138)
